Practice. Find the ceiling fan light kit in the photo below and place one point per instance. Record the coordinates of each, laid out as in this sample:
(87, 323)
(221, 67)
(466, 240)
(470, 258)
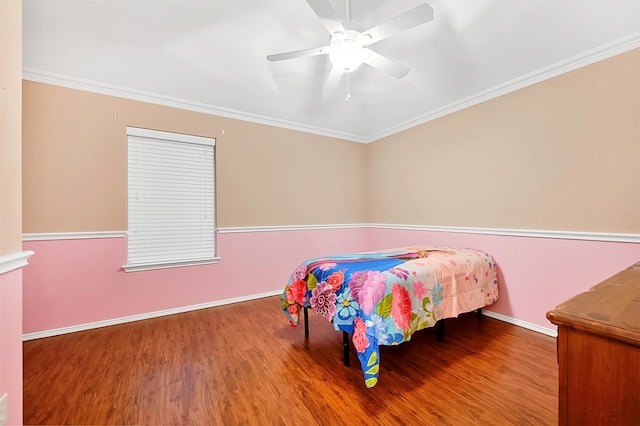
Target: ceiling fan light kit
(347, 47)
(347, 51)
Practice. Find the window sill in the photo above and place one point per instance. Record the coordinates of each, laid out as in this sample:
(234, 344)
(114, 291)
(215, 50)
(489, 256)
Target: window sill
(164, 265)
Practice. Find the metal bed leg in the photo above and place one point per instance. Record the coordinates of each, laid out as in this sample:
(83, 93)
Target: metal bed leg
(345, 338)
(440, 325)
(440, 330)
(345, 347)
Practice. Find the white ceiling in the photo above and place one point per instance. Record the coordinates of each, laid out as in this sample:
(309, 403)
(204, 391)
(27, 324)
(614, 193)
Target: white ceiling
(209, 55)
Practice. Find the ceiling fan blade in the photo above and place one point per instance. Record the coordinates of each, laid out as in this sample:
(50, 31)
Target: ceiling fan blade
(419, 15)
(327, 15)
(299, 54)
(385, 64)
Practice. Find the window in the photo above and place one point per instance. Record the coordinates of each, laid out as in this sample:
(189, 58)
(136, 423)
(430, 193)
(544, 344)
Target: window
(171, 200)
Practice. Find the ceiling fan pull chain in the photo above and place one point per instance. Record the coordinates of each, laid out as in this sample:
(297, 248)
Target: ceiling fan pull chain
(348, 87)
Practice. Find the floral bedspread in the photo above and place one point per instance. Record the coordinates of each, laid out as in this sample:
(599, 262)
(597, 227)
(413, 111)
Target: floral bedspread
(383, 297)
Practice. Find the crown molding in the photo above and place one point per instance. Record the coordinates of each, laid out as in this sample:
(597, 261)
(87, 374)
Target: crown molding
(605, 51)
(575, 62)
(70, 82)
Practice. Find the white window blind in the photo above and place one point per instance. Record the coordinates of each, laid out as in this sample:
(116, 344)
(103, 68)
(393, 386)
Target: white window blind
(171, 200)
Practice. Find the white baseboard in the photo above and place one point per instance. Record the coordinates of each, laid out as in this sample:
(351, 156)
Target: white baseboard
(156, 314)
(524, 324)
(149, 315)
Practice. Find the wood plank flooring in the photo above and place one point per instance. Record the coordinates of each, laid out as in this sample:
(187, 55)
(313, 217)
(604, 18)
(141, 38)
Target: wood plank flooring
(242, 364)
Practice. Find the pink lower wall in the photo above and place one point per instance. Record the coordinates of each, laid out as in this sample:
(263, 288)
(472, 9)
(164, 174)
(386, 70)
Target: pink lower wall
(11, 343)
(536, 274)
(75, 282)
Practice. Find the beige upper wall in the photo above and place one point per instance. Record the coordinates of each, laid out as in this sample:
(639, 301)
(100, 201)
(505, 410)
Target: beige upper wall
(273, 176)
(560, 155)
(75, 154)
(563, 154)
(10, 127)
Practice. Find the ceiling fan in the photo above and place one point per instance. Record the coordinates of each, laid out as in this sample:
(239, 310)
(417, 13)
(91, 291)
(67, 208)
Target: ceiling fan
(348, 43)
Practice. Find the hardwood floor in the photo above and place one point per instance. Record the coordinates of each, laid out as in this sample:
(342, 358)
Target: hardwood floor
(242, 364)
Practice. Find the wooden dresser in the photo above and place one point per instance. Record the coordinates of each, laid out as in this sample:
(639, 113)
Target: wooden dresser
(599, 353)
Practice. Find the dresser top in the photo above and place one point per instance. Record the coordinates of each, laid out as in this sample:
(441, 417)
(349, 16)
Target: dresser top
(611, 308)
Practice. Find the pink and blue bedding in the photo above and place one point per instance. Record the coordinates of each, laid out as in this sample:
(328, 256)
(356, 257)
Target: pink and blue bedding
(383, 297)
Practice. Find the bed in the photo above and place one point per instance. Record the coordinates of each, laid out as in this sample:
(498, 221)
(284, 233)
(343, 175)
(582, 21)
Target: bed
(383, 297)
